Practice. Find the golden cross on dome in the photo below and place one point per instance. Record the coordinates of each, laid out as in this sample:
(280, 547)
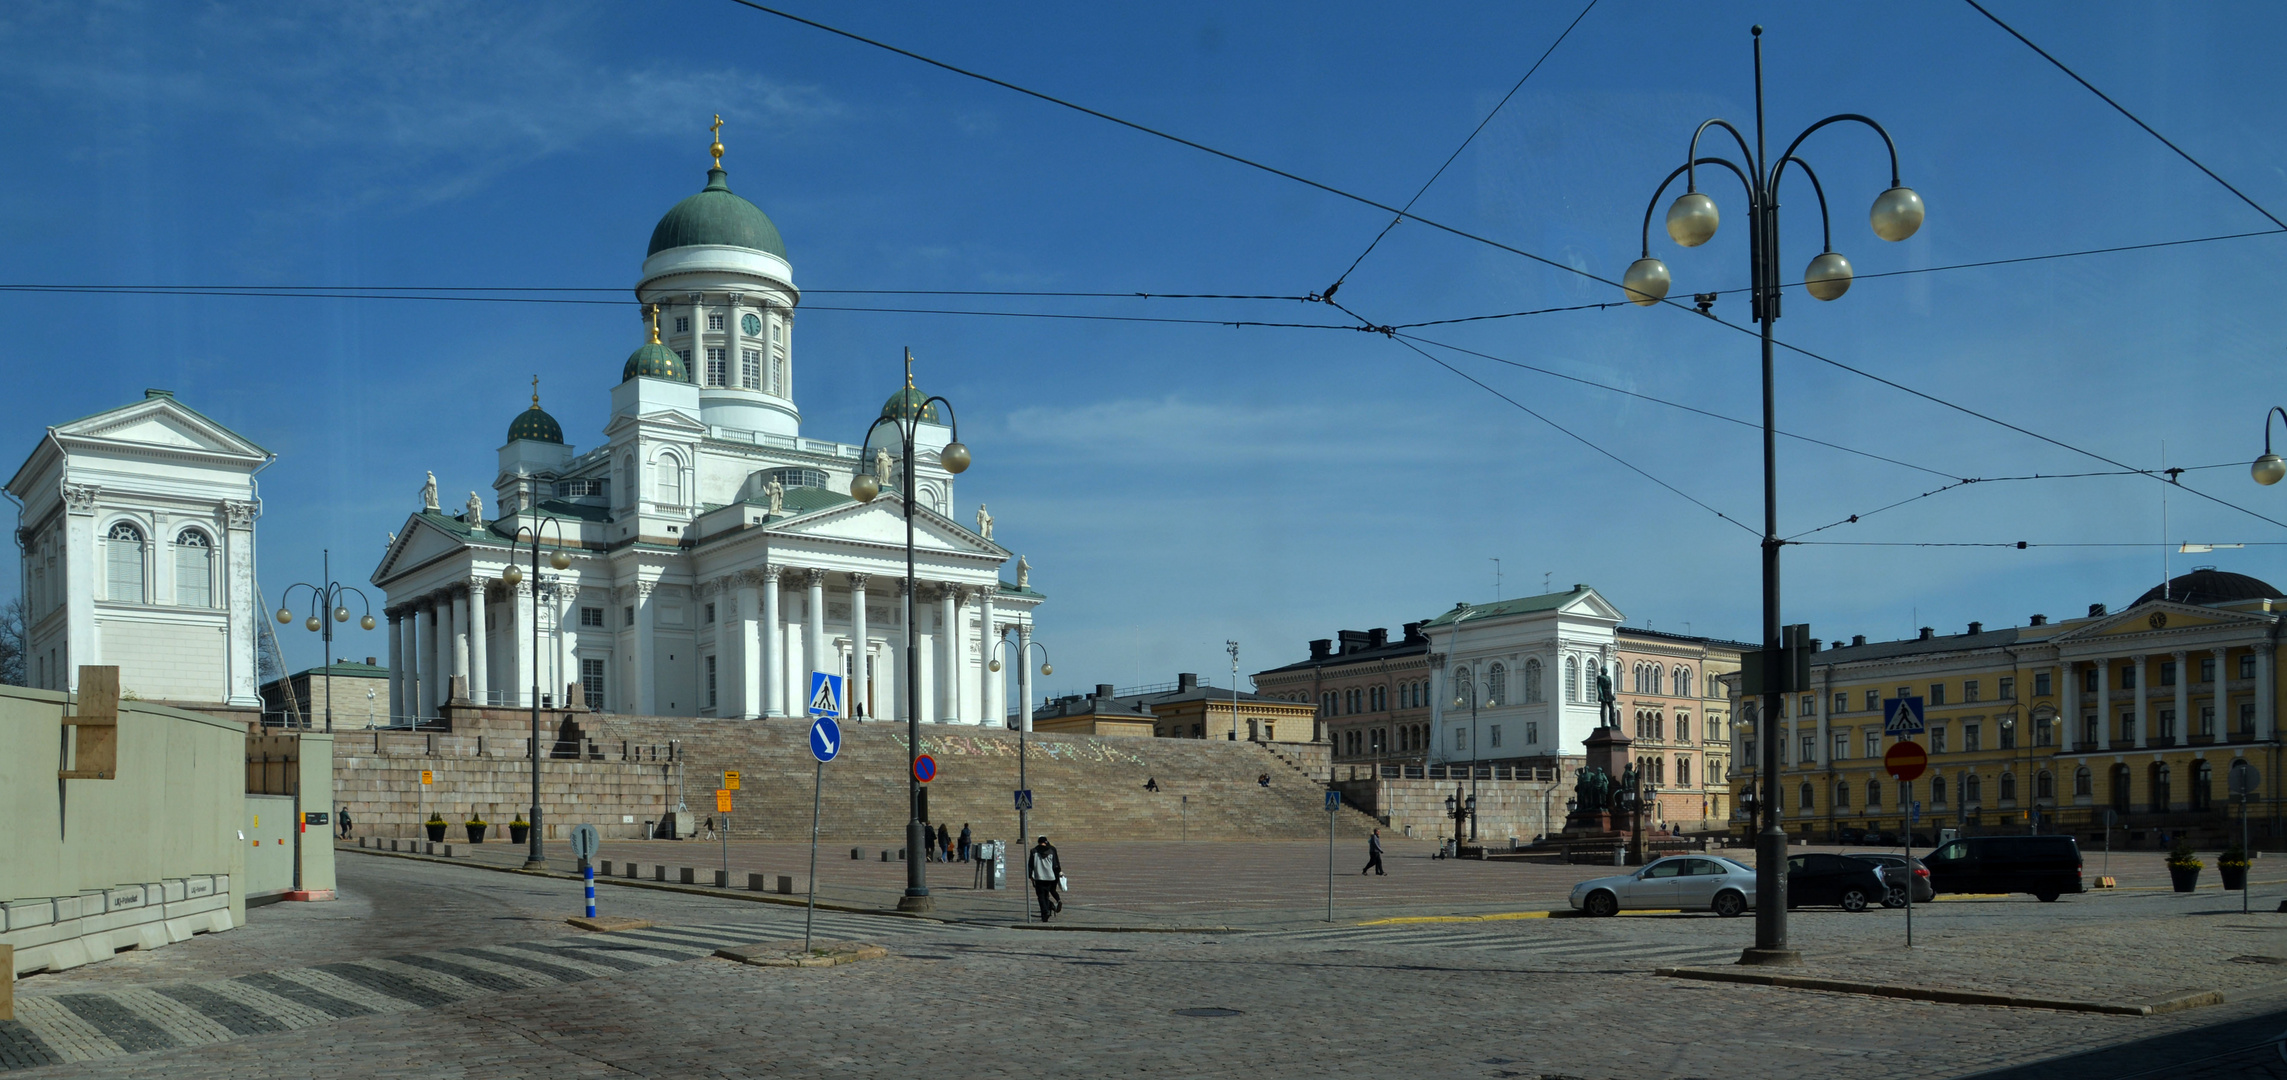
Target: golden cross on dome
(717, 149)
(654, 309)
(535, 391)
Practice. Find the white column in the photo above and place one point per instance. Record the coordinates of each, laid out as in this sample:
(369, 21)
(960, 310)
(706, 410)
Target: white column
(527, 652)
(861, 703)
(698, 340)
(458, 639)
(2266, 695)
(480, 645)
(2181, 730)
(2104, 678)
(396, 661)
(2071, 696)
(2221, 692)
(2143, 684)
(773, 647)
(925, 649)
(410, 706)
(1024, 673)
(441, 653)
(646, 651)
(732, 340)
(989, 708)
(243, 640)
(950, 607)
(814, 632)
(751, 679)
(1821, 708)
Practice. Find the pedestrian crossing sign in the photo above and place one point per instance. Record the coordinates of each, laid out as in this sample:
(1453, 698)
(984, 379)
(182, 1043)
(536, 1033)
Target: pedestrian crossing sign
(825, 694)
(1902, 716)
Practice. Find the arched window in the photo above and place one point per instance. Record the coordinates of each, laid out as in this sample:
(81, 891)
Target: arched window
(2084, 783)
(1937, 790)
(1683, 681)
(1842, 794)
(1809, 802)
(1532, 682)
(1873, 794)
(194, 569)
(2044, 786)
(1972, 791)
(1595, 671)
(628, 481)
(669, 471)
(1497, 685)
(1463, 689)
(123, 563)
(1655, 673)
(2008, 787)
(2160, 791)
(2120, 780)
(1571, 678)
(2203, 785)
(1683, 772)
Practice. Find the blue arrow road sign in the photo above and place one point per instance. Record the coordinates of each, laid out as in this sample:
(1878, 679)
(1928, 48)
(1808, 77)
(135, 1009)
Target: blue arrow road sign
(825, 739)
(1914, 813)
(1901, 716)
(825, 694)
(1333, 801)
(1024, 798)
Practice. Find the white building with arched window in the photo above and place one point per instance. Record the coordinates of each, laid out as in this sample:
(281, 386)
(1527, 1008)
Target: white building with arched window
(137, 537)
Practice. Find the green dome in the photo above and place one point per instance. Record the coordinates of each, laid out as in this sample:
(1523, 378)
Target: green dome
(715, 216)
(537, 426)
(901, 405)
(654, 361)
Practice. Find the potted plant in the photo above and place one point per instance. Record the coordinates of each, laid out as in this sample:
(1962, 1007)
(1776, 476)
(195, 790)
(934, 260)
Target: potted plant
(518, 830)
(2232, 864)
(436, 827)
(476, 827)
(2184, 867)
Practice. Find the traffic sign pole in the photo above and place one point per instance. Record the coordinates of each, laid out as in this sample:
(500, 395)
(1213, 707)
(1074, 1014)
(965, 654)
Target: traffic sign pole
(585, 842)
(825, 745)
(588, 872)
(1333, 803)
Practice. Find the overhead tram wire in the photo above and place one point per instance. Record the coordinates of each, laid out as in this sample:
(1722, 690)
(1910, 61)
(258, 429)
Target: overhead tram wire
(1856, 518)
(1450, 158)
(2122, 110)
(2018, 544)
(1442, 227)
(614, 290)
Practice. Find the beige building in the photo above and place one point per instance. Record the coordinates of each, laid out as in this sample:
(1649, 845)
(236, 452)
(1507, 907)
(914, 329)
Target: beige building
(1371, 694)
(359, 694)
(1674, 702)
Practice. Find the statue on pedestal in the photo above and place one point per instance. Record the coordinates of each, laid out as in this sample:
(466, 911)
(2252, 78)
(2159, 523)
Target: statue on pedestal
(1023, 573)
(777, 493)
(984, 522)
(1607, 706)
(429, 493)
(475, 515)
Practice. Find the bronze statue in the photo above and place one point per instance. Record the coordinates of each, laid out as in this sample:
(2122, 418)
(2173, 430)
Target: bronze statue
(1608, 707)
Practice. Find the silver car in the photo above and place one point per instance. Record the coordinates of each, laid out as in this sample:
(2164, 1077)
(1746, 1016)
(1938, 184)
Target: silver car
(1687, 882)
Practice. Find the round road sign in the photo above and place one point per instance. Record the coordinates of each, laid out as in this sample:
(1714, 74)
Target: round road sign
(585, 840)
(925, 768)
(1906, 760)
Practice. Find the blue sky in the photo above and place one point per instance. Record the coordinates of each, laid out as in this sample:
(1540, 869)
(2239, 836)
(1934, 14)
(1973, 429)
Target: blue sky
(1177, 485)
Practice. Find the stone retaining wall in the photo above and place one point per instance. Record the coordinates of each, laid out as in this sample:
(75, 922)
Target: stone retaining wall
(1505, 808)
(377, 777)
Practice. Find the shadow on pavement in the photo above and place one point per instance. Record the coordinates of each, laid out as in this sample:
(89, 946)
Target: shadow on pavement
(2241, 1049)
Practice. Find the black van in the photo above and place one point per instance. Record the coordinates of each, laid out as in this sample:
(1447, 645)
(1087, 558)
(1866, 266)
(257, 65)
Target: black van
(2046, 866)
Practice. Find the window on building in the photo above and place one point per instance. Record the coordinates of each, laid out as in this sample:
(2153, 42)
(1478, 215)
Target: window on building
(1969, 691)
(1683, 681)
(2203, 785)
(1937, 738)
(2207, 721)
(592, 681)
(2084, 784)
(1808, 798)
(1533, 682)
(1497, 685)
(194, 569)
(2044, 785)
(1810, 705)
(2127, 727)
(685, 356)
(718, 368)
(1937, 695)
(2247, 720)
(1532, 732)
(1937, 791)
(1841, 702)
(1460, 739)
(2044, 732)
(1683, 771)
(2089, 730)
(1972, 738)
(2008, 787)
(2041, 684)
(1972, 790)
(123, 564)
(2128, 677)
(1841, 745)
(2167, 673)
(2088, 681)
(1810, 749)
(629, 616)
(1873, 743)
(714, 320)
(1572, 679)
(750, 368)
(1657, 680)
(592, 616)
(1594, 671)
(2207, 669)
(1493, 736)
(2008, 689)
(669, 471)
(682, 324)
(2247, 666)
(1873, 794)
(2008, 735)
(710, 682)
(1842, 795)
(1714, 686)
(1873, 700)
(1683, 728)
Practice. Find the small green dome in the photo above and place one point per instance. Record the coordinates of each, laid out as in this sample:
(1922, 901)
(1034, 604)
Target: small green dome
(901, 405)
(537, 426)
(715, 216)
(654, 361)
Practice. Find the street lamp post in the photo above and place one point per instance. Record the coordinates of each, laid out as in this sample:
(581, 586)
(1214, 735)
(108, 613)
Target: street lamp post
(1691, 221)
(1023, 730)
(2270, 468)
(1469, 687)
(326, 609)
(534, 858)
(865, 487)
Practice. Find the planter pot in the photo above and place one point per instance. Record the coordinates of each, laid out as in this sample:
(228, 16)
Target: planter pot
(2234, 877)
(2185, 878)
(517, 832)
(436, 831)
(476, 833)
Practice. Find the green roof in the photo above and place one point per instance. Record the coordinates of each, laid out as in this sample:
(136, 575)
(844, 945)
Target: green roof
(537, 426)
(715, 216)
(1519, 606)
(901, 405)
(345, 668)
(653, 361)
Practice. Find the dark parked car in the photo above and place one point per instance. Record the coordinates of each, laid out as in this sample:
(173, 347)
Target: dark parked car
(2046, 866)
(1850, 836)
(1894, 867)
(1820, 878)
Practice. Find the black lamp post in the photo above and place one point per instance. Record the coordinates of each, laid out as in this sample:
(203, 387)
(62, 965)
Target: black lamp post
(906, 421)
(2270, 468)
(1023, 731)
(1691, 221)
(534, 858)
(326, 609)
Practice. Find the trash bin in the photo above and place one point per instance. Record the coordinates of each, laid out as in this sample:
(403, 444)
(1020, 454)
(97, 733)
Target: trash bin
(992, 863)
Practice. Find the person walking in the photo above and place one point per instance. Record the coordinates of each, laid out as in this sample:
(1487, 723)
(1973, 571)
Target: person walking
(710, 827)
(964, 841)
(944, 843)
(1046, 872)
(345, 823)
(1374, 855)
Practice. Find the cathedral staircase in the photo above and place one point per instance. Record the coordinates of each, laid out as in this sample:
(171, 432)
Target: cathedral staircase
(1084, 787)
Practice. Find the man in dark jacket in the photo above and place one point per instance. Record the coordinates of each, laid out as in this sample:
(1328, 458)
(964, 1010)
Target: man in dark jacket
(1045, 870)
(1373, 854)
(964, 843)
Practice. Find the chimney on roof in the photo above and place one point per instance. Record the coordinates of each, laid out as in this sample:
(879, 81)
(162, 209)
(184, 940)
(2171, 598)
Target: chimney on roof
(1187, 681)
(1103, 691)
(1976, 628)
(1321, 648)
(369, 662)
(1377, 637)
(1414, 634)
(1927, 634)
(1858, 639)
(1352, 640)
(2040, 620)
(2095, 610)
(1814, 644)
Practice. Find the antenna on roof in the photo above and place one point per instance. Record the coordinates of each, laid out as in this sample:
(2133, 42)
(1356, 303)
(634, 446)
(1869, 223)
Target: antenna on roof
(1496, 581)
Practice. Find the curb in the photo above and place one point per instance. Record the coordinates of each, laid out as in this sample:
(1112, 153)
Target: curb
(2192, 1000)
(660, 886)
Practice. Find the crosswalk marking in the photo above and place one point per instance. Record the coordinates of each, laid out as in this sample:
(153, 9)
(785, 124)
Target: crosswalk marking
(1535, 944)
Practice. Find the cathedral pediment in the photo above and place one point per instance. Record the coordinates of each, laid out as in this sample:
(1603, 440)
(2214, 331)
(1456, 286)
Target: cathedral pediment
(669, 419)
(425, 538)
(2161, 616)
(163, 424)
(882, 523)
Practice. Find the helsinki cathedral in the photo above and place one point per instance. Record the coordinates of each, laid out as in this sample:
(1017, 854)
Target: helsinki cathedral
(714, 554)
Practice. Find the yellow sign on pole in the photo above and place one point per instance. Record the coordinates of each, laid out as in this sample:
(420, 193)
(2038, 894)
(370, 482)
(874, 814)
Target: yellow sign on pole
(722, 800)
(427, 776)
(731, 779)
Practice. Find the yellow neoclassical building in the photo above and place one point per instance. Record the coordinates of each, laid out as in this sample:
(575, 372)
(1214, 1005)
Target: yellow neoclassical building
(2144, 711)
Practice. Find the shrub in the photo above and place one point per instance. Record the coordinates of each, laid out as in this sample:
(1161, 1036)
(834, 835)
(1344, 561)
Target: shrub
(2182, 856)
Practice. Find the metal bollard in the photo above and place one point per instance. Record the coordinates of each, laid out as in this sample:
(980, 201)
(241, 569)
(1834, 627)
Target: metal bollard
(722, 879)
(688, 876)
(658, 872)
(786, 884)
(607, 868)
(588, 874)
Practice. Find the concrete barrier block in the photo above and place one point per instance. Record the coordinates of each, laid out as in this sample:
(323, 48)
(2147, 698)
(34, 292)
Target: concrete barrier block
(634, 871)
(193, 888)
(174, 889)
(757, 882)
(604, 869)
(658, 873)
(448, 851)
(25, 914)
(688, 876)
(786, 884)
(722, 879)
(125, 896)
